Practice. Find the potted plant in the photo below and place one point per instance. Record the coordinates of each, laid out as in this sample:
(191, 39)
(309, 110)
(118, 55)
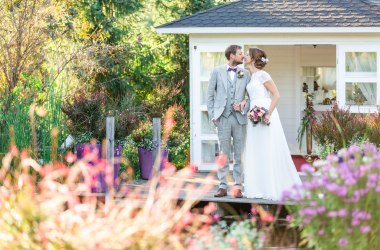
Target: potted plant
(82, 149)
(306, 125)
(143, 137)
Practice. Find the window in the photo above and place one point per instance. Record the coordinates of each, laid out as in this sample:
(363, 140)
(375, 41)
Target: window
(361, 62)
(359, 77)
(322, 82)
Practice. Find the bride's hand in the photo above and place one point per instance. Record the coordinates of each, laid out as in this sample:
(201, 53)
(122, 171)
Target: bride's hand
(267, 119)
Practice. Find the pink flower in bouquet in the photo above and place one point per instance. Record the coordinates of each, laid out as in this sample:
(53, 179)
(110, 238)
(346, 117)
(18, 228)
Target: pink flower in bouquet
(257, 114)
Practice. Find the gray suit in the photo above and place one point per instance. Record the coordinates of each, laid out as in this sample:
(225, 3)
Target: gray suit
(222, 93)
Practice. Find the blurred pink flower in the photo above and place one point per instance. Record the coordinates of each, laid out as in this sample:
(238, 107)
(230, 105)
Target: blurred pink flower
(365, 229)
(70, 157)
(221, 160)
(343, 242)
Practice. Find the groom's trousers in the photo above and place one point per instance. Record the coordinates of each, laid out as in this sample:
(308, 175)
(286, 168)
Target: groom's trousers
(228, 128)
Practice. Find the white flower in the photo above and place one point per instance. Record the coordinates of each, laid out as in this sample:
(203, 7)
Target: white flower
(240, 74)
(264, 60)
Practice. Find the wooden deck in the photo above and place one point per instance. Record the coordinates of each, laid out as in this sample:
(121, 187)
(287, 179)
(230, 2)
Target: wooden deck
(208, 197)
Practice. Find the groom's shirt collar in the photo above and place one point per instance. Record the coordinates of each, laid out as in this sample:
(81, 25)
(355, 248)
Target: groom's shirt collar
(228, 66)
(231, 72)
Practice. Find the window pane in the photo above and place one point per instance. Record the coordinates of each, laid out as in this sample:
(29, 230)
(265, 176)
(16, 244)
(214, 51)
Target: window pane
(209, 150)
(321, 81)
(361, 93)
(204, 86)
(209, 60)
(361, 62)
(207, 125)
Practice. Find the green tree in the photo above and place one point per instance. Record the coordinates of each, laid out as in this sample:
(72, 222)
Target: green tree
(25, 30)
(161, 57)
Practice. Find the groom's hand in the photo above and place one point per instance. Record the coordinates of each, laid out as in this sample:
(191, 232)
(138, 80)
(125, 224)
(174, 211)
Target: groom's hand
(237, 107)
(215, 121)
(242, 105)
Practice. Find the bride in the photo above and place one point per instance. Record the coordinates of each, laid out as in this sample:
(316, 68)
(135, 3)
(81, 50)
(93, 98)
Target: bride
(268, 167)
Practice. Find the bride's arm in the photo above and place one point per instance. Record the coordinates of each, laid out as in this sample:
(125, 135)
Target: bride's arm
(272, 88)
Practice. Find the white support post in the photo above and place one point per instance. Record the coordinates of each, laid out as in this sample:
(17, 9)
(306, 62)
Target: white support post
(110, 141)
(156, 144)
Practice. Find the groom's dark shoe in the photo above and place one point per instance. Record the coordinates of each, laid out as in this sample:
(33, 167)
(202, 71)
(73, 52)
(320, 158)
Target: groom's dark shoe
(221, 192)
(237, 193)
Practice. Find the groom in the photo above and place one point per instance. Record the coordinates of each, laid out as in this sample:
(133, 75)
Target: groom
(225, 91)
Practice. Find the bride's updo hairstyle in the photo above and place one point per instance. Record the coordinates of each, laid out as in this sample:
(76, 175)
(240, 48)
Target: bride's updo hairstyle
(259, 57)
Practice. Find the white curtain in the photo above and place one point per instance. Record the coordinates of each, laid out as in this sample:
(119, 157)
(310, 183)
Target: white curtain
(369, 91)
(363, 62)
(210, 60)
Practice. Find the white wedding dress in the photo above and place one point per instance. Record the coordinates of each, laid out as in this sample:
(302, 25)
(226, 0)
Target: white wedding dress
(268, 167)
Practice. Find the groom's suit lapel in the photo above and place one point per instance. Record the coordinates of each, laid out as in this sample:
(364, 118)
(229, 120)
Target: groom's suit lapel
(237, 81)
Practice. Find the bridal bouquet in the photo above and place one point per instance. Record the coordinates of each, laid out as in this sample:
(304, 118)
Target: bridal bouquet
(257, 114)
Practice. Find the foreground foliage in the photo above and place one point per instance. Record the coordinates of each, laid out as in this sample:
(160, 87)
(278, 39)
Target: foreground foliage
(339, 201)
(60, 212)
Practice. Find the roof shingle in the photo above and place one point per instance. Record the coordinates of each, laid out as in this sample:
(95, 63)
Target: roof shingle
(286, 13)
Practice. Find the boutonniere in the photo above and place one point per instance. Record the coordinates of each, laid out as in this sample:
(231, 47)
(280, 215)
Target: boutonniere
(240, 74)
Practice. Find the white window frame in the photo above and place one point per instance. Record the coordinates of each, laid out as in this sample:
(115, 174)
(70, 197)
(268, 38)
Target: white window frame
(343, 77)
(196, 108)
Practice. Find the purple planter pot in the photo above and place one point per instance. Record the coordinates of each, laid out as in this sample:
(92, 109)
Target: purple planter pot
(100, 186)
(146, 162)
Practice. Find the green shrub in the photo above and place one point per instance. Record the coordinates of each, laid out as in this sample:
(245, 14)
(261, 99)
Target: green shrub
(373, 131)
(338, 126)
(87, 113)
(163, 96)
(240, 235)
(131, 154)
(180, 155)
(143, 135)
(179, 137)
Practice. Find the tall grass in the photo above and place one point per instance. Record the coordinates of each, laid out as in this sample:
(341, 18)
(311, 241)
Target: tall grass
(33, 105)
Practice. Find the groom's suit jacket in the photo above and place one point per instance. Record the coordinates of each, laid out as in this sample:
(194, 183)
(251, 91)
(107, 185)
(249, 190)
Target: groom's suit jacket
(217, 92)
